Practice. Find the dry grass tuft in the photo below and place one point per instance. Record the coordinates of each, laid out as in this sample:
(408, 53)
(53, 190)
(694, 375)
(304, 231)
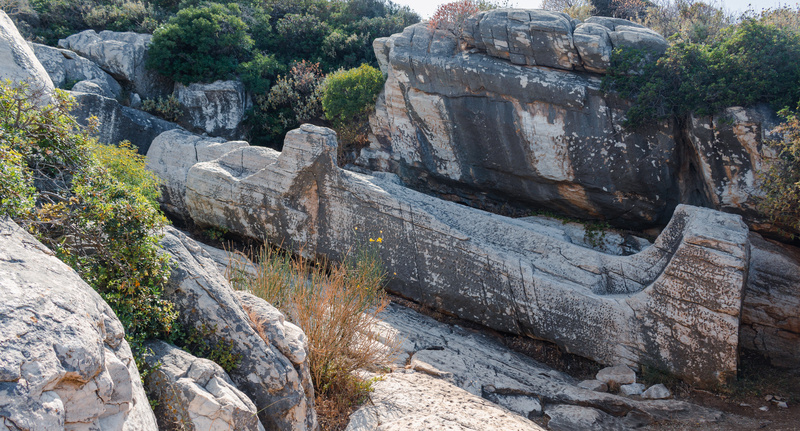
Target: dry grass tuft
(336, 305)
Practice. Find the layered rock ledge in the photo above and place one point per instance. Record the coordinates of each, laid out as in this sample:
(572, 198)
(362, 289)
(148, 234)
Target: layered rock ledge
(513, 115)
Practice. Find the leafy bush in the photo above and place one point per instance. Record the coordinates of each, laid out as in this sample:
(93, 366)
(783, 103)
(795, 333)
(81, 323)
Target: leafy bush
(781, 180)
(336, 306)
(748, 64)
(201, 44)
(168, 108)
(258, 73)
(93, 206)
(293, 100)
(348, 96)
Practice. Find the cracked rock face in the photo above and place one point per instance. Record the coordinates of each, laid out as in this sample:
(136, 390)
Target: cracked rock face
(674, 305)
(17, 60)
(217, 108)
(771, 307)
(64, 362)
(512, 118)
(195, 393)
(65, 66)
(123, 55)
(203, 296)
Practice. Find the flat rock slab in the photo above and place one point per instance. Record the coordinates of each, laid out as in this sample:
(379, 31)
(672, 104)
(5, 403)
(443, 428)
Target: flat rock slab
(483, 367)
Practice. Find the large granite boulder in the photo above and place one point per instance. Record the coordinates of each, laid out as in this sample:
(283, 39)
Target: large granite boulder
(66, 67)
(264, 374)
(511, 119)
(64, 361)
(17, 60)
(674, 305)
(123, 55)
(771, 305)
(216, 109)
(119, 122)
(196, 394)
(173, 153)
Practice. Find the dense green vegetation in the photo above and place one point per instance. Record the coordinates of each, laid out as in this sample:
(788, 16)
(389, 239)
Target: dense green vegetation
(746, 64)
(94, 205)
(348, 96)
(280, 49)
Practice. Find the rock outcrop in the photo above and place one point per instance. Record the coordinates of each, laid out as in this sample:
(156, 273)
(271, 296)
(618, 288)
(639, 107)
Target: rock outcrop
(66, 67)
(264, 374)
(482, 366)
(511, 116)
(416, 401)
(217, 108)
(64, 361)
(17, 61)
(674, 305)
(118, 122)
(196, 394)
(173, 153)
(123, 55)
(771, 305)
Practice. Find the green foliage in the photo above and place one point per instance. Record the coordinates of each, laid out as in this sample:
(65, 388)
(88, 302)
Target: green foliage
(95, 211)
(347, 94)
(781, 180)
(201, 44)
(293, 100)
(347, 98)
(55, 19)
(124, 163)
(17, 194)
(168, 108)
(196, 342)
(748, 64)
(258, 73)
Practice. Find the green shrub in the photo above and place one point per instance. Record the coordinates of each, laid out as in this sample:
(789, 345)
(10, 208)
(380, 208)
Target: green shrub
(749, 63)
(781, 180)
(293, 100)
(93, 206)
(350, 93)
(348, 96)
(257, 74)
(168, 108)
(201, 44)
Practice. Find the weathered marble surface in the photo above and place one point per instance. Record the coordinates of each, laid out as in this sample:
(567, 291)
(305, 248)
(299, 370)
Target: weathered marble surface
(17, 60)
(511, 117)
(203, 297)
(674, 305)
(195, 393)
(217, 108)
(64, 361)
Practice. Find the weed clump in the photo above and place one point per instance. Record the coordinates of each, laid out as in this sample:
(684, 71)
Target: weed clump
(336, 305)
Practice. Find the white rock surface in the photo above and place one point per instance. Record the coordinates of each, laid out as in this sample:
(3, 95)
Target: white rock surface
(195, 393)
(217, 108)
(173, 153)
(657, 392)
(631, 389)
(503, 274)
(619, 374)
(203, 297)
(64, 362)
(416, 401)
(65, 66)
(593, 385)
(17, 60)
(123, 55)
